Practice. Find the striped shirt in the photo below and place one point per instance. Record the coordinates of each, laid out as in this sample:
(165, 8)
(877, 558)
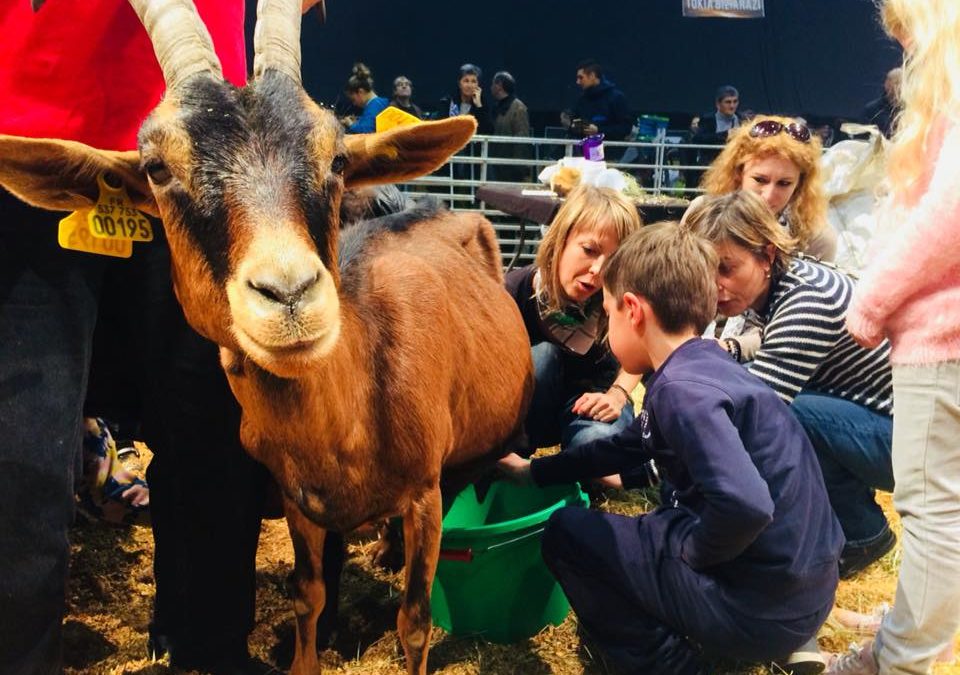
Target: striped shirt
(806, 344)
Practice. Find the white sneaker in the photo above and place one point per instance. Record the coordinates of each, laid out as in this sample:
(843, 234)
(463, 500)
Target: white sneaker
(858, 661)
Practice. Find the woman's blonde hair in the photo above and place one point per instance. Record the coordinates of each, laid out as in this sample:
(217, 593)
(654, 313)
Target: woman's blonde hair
(587, 208)
(742, 218)
(808, 206)
(931, 78)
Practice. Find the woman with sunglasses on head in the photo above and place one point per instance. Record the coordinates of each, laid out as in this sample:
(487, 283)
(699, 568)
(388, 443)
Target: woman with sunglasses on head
(909, 293)
(779, 159)
(841, 392)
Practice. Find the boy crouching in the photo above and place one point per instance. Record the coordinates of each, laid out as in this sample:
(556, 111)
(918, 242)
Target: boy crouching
(740, 561)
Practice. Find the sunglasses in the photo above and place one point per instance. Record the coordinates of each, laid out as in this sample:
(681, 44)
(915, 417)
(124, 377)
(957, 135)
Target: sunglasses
(795, 130)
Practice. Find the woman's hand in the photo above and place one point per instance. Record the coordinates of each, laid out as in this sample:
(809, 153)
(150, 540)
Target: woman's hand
(603, 407)
(476, 102)
(515, 468)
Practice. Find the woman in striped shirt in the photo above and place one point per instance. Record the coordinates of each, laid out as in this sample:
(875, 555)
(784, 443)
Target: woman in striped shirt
(841, 392)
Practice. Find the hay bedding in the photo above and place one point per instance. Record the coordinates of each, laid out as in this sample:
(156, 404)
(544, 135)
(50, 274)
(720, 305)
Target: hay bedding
(111, 588)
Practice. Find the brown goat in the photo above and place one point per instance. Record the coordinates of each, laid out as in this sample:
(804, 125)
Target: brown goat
(360, 382)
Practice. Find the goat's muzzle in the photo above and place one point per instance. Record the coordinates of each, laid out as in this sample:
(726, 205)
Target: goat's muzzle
(284, 306)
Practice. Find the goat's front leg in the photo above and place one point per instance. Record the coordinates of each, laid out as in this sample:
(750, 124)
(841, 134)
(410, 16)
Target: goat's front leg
(421, 533)
(309, 591)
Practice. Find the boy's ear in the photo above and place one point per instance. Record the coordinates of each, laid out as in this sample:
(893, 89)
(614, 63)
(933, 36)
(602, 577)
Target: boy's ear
(636, 307)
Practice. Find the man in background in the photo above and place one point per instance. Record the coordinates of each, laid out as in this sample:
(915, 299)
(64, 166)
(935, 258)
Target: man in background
(510, 118)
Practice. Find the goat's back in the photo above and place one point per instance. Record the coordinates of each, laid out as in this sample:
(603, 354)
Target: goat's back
(458, 350)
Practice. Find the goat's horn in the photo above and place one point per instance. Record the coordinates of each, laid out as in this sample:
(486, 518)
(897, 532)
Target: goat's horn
(276, 39)
(180, 40)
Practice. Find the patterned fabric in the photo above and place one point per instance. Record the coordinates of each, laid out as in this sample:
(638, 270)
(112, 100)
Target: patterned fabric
(111, 492)
(806, 344)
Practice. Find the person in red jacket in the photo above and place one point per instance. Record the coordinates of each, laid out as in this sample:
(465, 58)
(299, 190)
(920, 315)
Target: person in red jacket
(86, 71)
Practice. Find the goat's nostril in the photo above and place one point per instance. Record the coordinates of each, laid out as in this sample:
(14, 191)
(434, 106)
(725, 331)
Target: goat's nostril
(283, 290)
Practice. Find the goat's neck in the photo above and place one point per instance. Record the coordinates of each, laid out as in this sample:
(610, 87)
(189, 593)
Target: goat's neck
(322, 408)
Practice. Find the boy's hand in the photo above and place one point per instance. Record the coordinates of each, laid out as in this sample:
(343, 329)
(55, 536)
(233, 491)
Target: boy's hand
(603, 407)
(515, 468)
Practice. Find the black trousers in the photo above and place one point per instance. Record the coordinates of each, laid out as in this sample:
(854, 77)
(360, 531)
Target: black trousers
(206, 493)
(48, 307)
(646, 609)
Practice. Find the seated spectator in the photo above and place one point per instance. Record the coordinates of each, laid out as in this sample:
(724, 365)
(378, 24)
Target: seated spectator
(882, 110)
(581, 393)
(826, 133)
(779, 159)
(712, 128)
(601, 108)
(741, 561)
(841, 393)
(467, 99)
(402, 97)
(510, 118)
(360, 91)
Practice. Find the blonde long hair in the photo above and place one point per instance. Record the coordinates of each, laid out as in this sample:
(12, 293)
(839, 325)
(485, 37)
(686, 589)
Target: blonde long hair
(587, 208)
(931, 78)
(808, 206)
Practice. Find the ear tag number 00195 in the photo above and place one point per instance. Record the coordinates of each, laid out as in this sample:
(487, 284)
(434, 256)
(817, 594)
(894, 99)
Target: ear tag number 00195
(74, 234)
(115, 217)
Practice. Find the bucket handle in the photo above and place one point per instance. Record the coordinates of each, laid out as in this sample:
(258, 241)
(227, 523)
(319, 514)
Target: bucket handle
(467, 554)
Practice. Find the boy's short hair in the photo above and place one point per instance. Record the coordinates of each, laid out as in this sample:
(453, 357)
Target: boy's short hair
(673, 268)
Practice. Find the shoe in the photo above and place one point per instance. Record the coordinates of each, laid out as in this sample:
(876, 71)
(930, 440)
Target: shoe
(806, 660)
(857, 622)
(857, 661)
(854, 559)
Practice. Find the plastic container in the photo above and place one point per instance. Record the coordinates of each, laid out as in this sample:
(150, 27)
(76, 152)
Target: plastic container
(651, 127)
(592, 147)
(491, 580)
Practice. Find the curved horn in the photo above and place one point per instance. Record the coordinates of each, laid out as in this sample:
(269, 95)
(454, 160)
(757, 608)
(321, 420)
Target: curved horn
(180, 40)
(276, 39)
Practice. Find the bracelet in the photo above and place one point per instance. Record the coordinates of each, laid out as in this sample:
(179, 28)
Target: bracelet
(733, 348)
(623, 391)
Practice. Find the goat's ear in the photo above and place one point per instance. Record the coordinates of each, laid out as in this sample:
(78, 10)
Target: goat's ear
(405, 152)
(62, 175)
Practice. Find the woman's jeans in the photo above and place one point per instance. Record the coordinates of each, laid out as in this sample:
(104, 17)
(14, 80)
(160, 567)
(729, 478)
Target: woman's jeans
(853, 445)
(926, 463)
(551, 420)
(48, 308)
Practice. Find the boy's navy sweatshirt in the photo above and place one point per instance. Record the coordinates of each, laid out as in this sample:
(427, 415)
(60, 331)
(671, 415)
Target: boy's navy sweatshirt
(748, 506)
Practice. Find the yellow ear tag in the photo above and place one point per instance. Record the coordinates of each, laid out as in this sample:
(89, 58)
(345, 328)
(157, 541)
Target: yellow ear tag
(74, 234)
(394, 117)
(114, 216)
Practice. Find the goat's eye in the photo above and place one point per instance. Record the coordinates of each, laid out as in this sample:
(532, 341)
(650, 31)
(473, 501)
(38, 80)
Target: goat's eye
(158, 172)
(338, 165)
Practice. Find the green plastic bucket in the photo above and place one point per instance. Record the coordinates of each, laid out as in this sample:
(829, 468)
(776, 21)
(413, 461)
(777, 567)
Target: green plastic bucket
(491, 580)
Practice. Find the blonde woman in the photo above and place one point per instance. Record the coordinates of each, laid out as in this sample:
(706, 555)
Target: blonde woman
(581, 393)
(779, 159)
(910, 294)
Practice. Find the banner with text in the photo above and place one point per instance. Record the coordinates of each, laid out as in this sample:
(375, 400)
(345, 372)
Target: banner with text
(728, 9)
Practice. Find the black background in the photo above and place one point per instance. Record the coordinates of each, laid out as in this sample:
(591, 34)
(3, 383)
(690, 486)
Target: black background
(820, 58)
